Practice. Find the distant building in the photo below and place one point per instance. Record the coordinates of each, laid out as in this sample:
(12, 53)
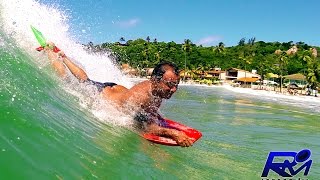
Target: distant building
(239, 74)
(216, 73)
(242, 77)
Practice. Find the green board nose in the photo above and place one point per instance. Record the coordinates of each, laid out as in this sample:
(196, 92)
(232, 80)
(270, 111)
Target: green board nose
(40, 38)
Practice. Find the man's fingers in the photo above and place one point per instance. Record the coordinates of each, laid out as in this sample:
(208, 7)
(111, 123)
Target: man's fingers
(61, 53)
(183, 140)
(185, 143)
(188, 142)
(50, 43)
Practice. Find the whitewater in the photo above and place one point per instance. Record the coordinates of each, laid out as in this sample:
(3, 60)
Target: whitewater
(53, 23)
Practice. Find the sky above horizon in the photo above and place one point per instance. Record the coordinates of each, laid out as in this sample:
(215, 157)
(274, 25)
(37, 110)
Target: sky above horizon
(206, 22)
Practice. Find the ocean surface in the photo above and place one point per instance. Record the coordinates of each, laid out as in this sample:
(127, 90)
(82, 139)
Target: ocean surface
(60, 129)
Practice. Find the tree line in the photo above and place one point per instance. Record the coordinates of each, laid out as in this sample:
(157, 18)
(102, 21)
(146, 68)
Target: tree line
(265, 57)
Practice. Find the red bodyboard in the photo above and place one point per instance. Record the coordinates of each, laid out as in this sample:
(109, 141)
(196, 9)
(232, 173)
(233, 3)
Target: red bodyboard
(193, 134)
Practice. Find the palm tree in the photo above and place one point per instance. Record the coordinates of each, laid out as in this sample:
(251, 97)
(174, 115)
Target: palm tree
(313, 66)
(155, 40)
(251, 41)
(148, 39)
(219, 48)
(220, 51)
(242, 42)
(246, 54)
(283, 60)
(187, 48)
(90, 45)
(122, 40)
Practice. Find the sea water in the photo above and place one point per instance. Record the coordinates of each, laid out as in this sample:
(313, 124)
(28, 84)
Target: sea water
(53, 129)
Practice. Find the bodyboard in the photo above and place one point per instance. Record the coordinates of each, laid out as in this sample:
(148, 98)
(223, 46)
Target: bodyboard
(42, 40)
(193, 134)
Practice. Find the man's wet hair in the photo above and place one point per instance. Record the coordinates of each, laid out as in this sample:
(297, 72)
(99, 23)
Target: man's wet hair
(162, 67)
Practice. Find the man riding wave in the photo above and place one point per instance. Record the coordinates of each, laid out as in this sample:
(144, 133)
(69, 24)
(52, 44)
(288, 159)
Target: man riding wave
(143, 98)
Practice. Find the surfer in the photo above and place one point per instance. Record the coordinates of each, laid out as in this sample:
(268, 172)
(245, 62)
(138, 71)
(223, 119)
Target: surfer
(143, 98)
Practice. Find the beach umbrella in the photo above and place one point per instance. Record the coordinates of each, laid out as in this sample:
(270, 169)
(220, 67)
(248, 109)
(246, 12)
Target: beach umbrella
(271, 75)
(297, 76)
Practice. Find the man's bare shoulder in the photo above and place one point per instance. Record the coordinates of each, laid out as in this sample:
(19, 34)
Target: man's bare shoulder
(142, 89)
(138, 94)
(144, 85)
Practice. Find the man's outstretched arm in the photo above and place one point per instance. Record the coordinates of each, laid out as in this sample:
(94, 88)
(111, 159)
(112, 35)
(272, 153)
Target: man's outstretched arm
(74, 69)
(57, 65)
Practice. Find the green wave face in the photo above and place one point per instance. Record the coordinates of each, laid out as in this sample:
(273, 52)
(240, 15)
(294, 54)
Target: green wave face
(44, 133)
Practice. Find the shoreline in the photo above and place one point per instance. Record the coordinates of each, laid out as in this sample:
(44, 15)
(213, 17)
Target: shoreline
(272, 94)
(262, 92)
(266, 92)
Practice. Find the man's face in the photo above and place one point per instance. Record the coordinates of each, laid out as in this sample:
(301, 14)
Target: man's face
(168, 84)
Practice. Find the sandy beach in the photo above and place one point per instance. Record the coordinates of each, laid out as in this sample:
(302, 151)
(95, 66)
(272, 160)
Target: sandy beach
(266, 91)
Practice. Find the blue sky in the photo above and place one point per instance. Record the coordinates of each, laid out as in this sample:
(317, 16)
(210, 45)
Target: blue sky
(205, 22)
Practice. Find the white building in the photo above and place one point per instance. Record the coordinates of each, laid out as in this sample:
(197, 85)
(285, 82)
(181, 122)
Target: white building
(239, 74)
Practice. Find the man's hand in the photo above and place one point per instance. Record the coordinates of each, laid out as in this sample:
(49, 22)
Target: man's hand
(49, 46)
(61, 54)
(182, 139)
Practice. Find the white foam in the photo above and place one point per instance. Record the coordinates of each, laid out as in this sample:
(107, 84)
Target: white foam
(16, 16)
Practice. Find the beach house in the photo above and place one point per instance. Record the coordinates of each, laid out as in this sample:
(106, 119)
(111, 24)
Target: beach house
(243, 77)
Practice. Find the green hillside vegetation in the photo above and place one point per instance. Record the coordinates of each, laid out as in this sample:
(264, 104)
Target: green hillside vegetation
(265, 57)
